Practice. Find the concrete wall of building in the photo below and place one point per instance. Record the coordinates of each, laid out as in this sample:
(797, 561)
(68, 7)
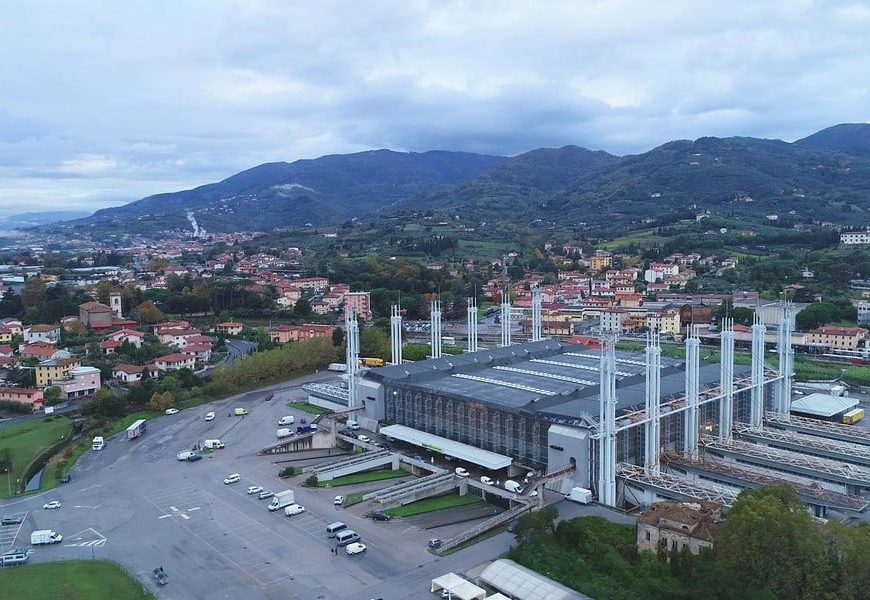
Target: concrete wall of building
(567, 446)
(370, 394)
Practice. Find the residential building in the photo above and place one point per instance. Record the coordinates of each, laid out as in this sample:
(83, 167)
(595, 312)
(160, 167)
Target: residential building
(108, 347)
(95, 315)
(200, 352)
(128, 374)
(42, 351)
(853, 238)
(611, 320)
(6, 334)
(82, 382)
(665, 321)
(51, 370)
(174, 362)
(283, 334)
(359, 303)
(130, 336)
(42, 333)
(671, 526)
(6, 350)
(230, 328)
(32, 396)
(837, 338)
(13, 325)
(863, 307)
(600, 261)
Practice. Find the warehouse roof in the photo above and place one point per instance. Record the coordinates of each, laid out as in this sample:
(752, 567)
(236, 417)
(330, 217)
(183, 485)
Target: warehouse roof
(524, 584)
(546, 377)
(484, 458)
(823, 405)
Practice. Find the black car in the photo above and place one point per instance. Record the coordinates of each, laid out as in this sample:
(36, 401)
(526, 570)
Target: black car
(66, 478)
(194, 457)
(11, 520)
(161, 576)
(380, 516)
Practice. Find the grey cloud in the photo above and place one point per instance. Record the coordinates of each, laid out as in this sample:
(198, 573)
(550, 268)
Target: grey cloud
(171, 97)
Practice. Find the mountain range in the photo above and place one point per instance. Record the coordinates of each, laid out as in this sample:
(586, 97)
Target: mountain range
(825, 176)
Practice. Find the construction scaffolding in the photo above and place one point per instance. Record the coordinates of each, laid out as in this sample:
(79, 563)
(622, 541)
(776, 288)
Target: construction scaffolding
(816, 427)
(675, 487)
(817, 446)
(785, 460)
(732, 474)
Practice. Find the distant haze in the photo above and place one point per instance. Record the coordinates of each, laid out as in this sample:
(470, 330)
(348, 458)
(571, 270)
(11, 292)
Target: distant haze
(106, 104)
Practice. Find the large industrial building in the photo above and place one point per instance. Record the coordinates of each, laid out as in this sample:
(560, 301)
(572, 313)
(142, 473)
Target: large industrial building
(537, 403)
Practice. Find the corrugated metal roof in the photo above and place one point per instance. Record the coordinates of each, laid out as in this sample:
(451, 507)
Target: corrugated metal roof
(484, 458)
(519, 582)
(823, 405)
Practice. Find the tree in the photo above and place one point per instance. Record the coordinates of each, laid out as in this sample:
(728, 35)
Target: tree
(52, 395)
(373, 342)
(302, 307)
(337, 336)
(149, 313)
(773, 542)
(160, 401)
(816, 315)
(33, 292)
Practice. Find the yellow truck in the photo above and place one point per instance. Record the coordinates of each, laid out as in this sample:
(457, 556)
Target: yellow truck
(853, 416)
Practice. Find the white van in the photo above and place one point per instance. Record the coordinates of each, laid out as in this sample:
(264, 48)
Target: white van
(352, 425)
(184, 454)
(283, 433)
(213, 444)
(345, 537)
(286, 420)
(333, 528)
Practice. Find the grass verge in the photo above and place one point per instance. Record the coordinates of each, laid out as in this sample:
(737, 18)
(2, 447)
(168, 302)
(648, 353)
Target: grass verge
(427, 505)
(364, 477)
(309, 408)
(71, 580)
(352, 499)
(21, 444)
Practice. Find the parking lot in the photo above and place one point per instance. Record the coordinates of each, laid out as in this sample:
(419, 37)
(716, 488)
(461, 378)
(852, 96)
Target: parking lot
(133, 502)
(9, 533)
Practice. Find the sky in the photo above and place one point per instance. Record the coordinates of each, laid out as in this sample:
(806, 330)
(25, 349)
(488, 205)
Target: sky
(106, 102)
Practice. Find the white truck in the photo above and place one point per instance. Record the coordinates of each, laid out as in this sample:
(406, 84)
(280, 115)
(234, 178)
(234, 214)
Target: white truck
(45, 536)
(579, 494)
(98, 444)
(337, 367)
(282, 500)
(512, 486)
(213, 444)
(284, 432)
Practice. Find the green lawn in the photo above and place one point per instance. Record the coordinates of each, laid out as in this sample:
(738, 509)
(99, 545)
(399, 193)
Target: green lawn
(364, 477)
(309, 408)
(23, 443)
(432, 504)
(71, 580)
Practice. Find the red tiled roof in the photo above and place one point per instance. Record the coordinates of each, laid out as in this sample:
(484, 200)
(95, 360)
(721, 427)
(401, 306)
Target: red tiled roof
(129, 369)
(95, 307)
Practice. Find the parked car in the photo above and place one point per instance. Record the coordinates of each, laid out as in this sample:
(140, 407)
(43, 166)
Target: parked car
(171, 411)
(194, 457)
(364, 438)
(209, 416)
(293, 510)
(161, 576)
(380, 516)
(338, 500)
(232, 478)
(66, 478)
(435, 543)
(486, 480)
(355, 548)
(460, 472)
(255, 489)
(14, 520)
(51, 505)
(265, 494)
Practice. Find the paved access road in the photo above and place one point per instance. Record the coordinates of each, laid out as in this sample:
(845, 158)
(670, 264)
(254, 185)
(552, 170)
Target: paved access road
(135, 503)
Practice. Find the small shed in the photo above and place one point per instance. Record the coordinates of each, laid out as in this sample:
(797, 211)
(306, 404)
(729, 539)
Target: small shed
(823, 406)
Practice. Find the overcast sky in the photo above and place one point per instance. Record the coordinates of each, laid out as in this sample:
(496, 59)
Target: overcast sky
(106, 102)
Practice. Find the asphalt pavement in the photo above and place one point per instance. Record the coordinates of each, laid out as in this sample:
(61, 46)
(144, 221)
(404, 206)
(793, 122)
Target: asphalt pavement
(134, 503)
